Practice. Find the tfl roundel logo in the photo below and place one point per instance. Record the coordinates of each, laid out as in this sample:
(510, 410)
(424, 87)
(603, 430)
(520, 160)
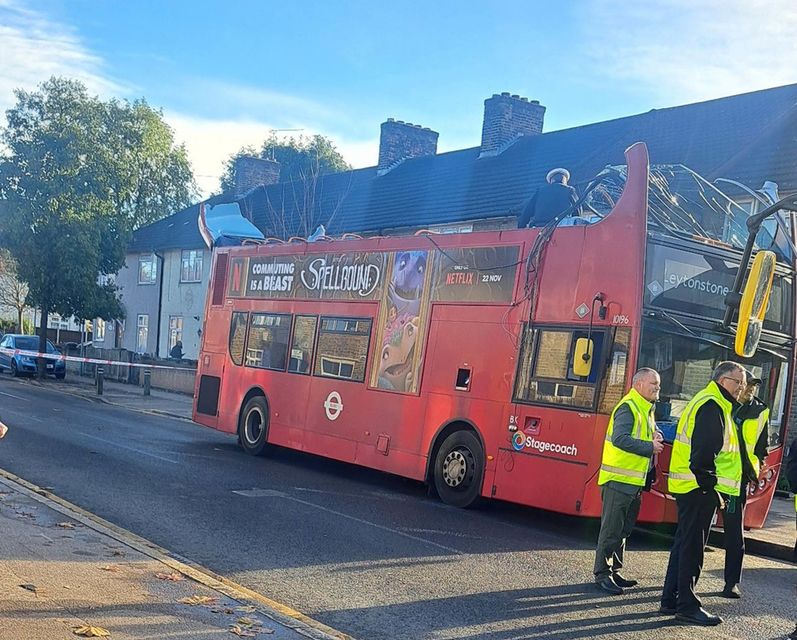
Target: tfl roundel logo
(518, 441)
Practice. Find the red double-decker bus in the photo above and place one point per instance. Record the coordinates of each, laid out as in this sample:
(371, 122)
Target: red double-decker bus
(459, 360)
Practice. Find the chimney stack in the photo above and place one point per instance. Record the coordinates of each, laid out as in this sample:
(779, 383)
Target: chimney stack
(251, 172)
(506, 118)
(403, 140)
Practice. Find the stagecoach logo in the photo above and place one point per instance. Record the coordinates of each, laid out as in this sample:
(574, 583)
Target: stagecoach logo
(361, 279)
(333, 405)
(521, 441)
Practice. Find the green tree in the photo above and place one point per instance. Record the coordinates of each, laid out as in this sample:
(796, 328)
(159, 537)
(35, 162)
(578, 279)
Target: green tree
(77, 174)
(13, 292)
(301, 158)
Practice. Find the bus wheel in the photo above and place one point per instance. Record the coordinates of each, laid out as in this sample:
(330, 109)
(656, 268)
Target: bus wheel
(459, 469)
(253, 426)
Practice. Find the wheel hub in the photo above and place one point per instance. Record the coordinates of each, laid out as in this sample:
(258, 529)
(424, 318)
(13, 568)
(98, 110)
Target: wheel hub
(455, 468)
(254, 425)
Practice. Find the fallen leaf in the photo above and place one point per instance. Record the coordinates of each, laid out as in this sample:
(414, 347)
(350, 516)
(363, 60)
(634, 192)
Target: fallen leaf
(111, 567)
(194, 600)
(173, 576)
(248, 622)
(31, 587)
(243, 633)
(118, 553)
(246, 609)
(65, 525)
(91, 632)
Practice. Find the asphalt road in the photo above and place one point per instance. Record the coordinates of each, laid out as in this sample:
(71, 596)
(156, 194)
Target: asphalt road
(363, 552)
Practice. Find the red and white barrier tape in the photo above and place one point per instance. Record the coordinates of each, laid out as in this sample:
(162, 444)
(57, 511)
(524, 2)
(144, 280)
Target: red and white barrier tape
(59, 356)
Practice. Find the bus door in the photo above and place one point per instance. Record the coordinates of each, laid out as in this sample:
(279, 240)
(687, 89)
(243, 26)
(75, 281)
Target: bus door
(551, 443)
(222, 339)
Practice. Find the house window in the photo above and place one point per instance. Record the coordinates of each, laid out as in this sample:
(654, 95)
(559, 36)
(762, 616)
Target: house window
(191, 266)
(99, 330)
(175, 330)
(142, 325)
(147, 269)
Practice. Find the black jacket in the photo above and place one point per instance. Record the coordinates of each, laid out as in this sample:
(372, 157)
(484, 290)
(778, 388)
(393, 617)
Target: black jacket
(547, 202)
(791, 466)
(707, 438)
(747, 411)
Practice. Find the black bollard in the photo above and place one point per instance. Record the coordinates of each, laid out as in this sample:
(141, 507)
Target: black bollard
(100, 379)
(147, 376)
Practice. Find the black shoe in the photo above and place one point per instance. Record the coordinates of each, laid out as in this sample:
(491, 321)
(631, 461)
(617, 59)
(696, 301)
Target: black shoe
(732, 592)
(622, 582)
(609, 586)
(701, 618)
(666, 611)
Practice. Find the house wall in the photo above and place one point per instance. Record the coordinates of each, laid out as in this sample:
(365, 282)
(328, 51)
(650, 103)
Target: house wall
(184, 300)
(136, 299)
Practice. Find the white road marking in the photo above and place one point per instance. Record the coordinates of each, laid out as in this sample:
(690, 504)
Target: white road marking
(257, 493)
(25, 415)
(11, 395)
(133, 449)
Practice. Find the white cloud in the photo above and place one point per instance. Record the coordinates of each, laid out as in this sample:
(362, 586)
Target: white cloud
(35, 48)
(209, 142)
(691, 50)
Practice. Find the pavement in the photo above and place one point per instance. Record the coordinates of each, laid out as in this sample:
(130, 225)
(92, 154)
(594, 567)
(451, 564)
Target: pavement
(175, 405)
(65, 574)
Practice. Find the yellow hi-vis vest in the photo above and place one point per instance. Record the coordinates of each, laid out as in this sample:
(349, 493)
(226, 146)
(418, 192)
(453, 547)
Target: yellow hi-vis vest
(728, 463)
(621, 466)
(751, 431)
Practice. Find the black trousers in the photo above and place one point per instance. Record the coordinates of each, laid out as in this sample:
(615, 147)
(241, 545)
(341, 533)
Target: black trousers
(695, 512)
(618, 517)
(733, 521)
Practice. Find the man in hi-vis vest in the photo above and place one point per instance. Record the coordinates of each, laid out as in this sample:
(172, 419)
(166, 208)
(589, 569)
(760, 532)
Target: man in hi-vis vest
(626, 470)
(752, 422)
(705, 471)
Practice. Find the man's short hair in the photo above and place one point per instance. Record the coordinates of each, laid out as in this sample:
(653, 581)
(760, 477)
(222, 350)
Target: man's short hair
(724, 368)
(643, 373)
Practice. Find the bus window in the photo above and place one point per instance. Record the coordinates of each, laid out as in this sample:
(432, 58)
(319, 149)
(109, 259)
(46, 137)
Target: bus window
(546, 375)
(613, 387)
(267, 346)
(342, 348)
(302, 344)
(237, 336)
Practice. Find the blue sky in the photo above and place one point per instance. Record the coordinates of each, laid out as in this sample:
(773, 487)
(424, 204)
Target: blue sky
(225, 73)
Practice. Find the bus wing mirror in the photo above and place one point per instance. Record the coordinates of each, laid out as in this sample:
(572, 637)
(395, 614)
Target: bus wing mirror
(582, 357)
(754, 303)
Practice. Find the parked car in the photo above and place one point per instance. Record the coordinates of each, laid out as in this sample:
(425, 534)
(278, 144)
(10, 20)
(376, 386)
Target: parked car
(26, 365)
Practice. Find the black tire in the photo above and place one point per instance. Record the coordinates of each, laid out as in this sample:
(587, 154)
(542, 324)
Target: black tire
(253, 426)
(459, 469)
(14, 371)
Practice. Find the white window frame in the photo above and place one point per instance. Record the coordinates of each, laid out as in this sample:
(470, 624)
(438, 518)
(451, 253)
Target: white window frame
(339, 362)
(175, 330)
(150, 258)
(142, 325)
(99, 330)
(187, 257)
